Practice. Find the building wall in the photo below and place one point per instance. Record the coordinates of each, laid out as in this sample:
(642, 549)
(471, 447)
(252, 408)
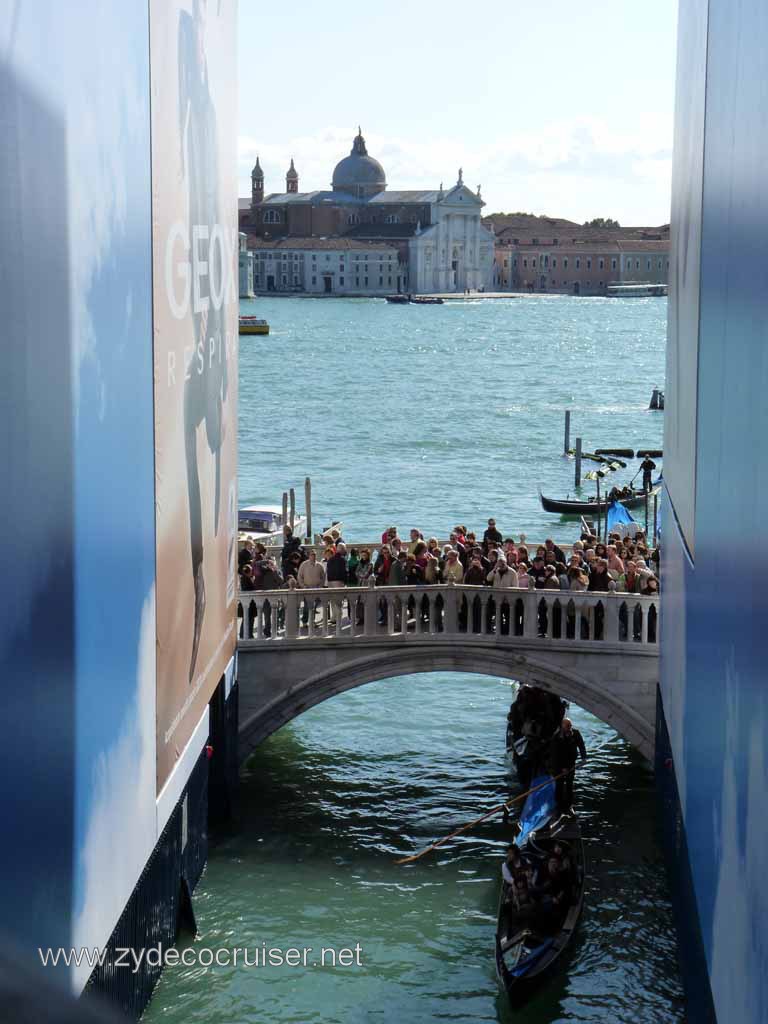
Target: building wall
(79, 609)
(714, 645)
(362, 271)
(644, 268)
(78, 668)
(561, 268)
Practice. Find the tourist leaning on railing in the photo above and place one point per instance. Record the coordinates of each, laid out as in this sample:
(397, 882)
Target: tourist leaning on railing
(624, 564)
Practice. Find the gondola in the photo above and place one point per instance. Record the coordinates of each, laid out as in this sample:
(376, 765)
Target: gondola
(572, 507)
(530, 946)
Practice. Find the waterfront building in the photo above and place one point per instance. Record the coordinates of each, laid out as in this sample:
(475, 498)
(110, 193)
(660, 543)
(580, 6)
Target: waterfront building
(578, 267)
(245, 268)
(438, 233)
(327, 266)
(711, 749)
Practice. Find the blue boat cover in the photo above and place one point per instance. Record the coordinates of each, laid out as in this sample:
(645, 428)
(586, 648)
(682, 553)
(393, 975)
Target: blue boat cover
(532, 959)
(617, 514)
(538, 808)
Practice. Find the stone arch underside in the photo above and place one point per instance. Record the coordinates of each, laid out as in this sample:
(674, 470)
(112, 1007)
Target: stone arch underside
(592, 694)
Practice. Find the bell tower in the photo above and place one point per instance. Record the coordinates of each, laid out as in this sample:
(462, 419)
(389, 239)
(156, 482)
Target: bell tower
(292, 179)
(257, 184)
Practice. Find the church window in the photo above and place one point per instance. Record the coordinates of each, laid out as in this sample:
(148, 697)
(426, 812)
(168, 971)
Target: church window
(353, 219)
(392, 218)
(271, 216)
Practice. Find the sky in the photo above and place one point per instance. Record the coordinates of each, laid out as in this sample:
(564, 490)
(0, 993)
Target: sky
(553, 107)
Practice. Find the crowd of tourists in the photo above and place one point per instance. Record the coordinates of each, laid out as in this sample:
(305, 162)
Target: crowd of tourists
(625, 563)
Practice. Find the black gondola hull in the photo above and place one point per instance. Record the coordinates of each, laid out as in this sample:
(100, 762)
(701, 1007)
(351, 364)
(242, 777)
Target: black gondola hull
(583, 508)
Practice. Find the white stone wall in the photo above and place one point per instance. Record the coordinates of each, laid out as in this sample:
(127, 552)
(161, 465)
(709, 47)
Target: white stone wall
(349, 272)
(458, 237)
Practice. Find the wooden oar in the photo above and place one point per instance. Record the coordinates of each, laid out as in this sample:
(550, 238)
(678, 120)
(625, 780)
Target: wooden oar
(493, 810)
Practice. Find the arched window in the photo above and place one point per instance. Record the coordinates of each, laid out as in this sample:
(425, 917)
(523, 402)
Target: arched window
(271, 217)
(353, 218)
(392, 218)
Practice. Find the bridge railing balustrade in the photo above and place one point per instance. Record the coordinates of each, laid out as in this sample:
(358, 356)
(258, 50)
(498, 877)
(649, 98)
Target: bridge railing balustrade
(347, 613)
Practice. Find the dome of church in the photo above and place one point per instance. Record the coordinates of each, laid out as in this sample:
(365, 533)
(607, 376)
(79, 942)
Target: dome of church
(359, 173)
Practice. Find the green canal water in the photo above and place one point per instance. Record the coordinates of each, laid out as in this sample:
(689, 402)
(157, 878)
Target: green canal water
(428, 417)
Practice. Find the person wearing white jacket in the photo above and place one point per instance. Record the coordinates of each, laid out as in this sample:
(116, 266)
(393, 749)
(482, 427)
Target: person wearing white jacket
(502, 576)
(311, 572)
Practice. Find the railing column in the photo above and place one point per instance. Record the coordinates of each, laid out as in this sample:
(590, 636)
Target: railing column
(611, 618)
(451, 597)
(291, 615)
(258, 621)
(371, 609)
(531, 614)
(644, 626)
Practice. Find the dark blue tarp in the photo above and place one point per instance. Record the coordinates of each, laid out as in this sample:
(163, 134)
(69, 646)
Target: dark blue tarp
(538, 808)
(531, 960)
(617, 514)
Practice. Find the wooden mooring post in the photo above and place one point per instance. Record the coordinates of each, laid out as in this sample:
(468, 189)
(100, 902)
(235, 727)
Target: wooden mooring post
(567, 441)
(308, 507)
(577, 483)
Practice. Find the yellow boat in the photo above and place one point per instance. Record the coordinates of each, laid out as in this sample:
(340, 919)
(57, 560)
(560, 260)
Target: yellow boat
(252, 325)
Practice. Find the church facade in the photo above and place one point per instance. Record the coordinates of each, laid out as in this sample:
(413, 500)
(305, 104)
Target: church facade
(438, 234)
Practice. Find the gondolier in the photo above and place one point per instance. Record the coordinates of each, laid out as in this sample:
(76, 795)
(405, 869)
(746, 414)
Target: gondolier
(566, 745)
(647, 466)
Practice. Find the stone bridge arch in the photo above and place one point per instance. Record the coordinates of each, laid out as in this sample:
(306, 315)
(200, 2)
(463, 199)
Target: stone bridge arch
(278, 685)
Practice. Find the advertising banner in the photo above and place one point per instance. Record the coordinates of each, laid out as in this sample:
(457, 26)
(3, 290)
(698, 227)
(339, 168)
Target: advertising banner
(194, 228)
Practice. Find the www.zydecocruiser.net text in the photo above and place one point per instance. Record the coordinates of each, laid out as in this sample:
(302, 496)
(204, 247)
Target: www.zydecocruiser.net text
(205, 956)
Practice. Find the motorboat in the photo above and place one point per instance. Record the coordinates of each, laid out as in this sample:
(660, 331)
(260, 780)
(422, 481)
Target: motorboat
(253, 325)
(265, 523)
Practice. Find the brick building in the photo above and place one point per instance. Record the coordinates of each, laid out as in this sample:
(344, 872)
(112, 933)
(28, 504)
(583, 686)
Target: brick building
(550, 255)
